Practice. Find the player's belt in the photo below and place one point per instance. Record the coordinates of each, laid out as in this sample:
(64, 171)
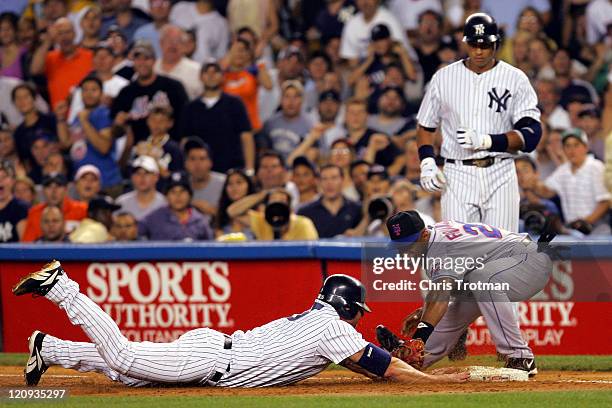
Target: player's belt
(484, 162)
(227, 345)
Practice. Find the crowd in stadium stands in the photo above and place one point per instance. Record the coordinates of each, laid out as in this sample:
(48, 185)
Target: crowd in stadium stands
(124, 120)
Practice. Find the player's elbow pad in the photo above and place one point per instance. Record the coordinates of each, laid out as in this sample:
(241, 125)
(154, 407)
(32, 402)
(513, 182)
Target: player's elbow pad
(375, 360)
(531, 130)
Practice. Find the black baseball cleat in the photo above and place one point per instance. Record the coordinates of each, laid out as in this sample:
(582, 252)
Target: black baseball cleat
(40, 283)
(35, 367)
(525, 364)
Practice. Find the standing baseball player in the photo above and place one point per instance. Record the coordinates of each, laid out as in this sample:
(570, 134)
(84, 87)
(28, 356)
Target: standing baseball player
(281, 352)
(487, 111)
(505, 258)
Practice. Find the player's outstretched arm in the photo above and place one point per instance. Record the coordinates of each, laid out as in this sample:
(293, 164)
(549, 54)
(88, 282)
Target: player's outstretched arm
(375, 362)
(401, 372)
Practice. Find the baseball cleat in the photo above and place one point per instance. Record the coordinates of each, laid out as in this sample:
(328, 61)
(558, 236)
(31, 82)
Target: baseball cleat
(35, 367)
(40, 283)
(525, 364)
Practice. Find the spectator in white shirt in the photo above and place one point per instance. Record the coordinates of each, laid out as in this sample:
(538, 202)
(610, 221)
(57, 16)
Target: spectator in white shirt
(144, 199)
(174, 64)
(580, 185)
(212, 30)
(356, 32)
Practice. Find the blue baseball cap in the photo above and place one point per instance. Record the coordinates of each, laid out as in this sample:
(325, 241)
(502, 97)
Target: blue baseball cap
(405, 226)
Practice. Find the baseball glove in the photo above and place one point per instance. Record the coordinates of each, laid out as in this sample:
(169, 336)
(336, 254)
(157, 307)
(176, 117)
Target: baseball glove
(411, 351)
(410, 323)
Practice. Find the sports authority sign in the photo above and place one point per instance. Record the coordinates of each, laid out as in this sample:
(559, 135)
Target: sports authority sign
(160, 300)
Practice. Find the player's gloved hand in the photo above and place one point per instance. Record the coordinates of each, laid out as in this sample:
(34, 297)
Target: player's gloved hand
(581, 225)
(469, 139)
(410, 351)
(432, 178)
(410, 323)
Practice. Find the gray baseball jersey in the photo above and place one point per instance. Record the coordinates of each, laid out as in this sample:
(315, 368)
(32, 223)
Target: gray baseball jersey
(506, 258)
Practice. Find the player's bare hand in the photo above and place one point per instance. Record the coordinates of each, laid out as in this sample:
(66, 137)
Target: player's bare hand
(469, 139)
(410, 322)
(454, 378)
(432, 178)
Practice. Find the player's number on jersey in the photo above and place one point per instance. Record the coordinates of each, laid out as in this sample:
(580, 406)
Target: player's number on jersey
(486, 230)
(316, 306)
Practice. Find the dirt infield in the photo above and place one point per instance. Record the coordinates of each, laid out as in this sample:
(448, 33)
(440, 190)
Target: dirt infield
(329, 382)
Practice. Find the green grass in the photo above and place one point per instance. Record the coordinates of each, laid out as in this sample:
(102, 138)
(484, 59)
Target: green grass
(490, 400)
(553, 363)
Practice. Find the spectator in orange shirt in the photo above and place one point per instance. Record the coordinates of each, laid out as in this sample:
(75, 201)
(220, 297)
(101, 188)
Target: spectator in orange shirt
(64, 67)
(243, 77)
(55, 193)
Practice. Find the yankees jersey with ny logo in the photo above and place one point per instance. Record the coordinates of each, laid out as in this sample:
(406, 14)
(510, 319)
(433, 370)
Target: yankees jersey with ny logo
(291, 349)
(491, 102)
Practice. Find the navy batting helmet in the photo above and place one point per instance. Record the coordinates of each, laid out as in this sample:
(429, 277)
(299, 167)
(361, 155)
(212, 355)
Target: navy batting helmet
(345, 294)
(480, 28)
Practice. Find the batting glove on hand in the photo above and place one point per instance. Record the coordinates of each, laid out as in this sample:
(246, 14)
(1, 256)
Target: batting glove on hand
(470, 140)
(432, 179)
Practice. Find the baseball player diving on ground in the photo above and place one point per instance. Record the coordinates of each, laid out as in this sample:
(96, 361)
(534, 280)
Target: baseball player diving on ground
(505, 257)
(281, 352)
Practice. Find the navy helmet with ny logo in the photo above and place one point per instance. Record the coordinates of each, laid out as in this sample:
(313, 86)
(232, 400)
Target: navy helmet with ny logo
(500, 100)
(480, 28)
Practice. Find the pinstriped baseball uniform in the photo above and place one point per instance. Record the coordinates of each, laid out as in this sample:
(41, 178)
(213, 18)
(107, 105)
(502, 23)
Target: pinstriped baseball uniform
(490, 102)
(508, 257)
(281, 352)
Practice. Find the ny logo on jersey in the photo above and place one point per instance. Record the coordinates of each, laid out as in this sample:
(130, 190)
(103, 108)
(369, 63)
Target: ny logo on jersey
(502, 101)
(479, 29)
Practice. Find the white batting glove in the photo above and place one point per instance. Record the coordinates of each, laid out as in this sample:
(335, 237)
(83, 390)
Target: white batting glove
(469, 139)
(432, 179)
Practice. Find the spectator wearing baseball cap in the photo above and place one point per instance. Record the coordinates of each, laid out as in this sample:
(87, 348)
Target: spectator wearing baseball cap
(207, 185)
(286, 129)
(589, 120)
(144, 198)
(178, 221)
(378, 183)
(87, 183)
(580, 185)
(94, 229)
(221, 121)
(54, 193)
(135, 101)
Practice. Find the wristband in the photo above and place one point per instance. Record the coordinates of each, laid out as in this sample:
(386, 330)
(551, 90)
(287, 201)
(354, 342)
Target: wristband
(423, 331)
(426, 151)
(499, 143)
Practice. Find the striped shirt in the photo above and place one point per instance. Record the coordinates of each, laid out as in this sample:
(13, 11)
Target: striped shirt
(490, 102)
(291, 349)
